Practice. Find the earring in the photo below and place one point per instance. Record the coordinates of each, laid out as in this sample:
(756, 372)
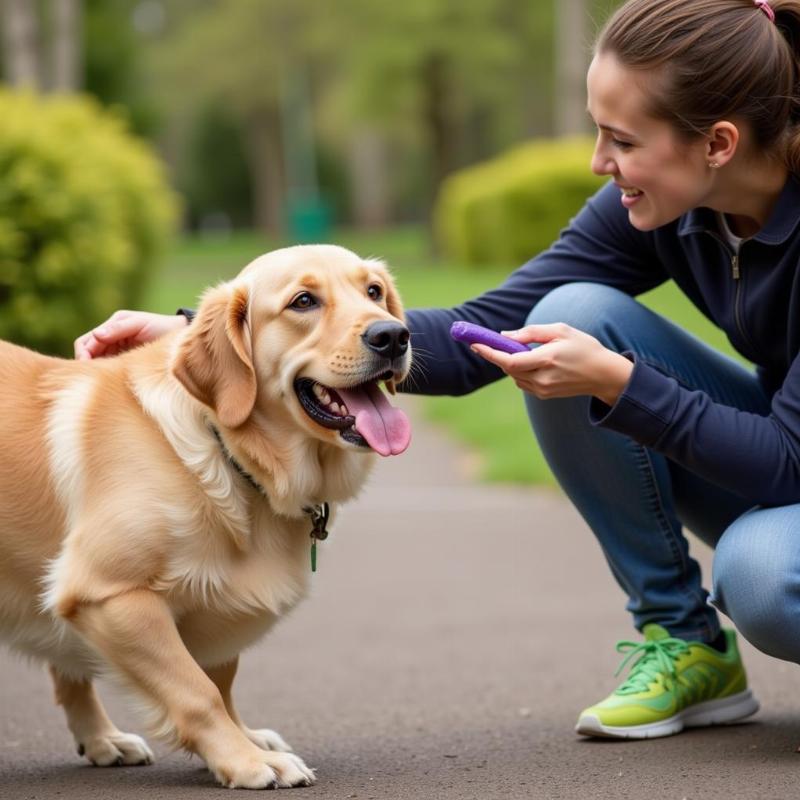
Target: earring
(713, 164)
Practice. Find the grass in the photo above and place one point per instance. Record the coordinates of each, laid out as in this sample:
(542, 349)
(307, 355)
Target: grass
(492, 421)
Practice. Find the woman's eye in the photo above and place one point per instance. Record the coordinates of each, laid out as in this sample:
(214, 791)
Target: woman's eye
(375, 292)
(618, 143)
(304, 301)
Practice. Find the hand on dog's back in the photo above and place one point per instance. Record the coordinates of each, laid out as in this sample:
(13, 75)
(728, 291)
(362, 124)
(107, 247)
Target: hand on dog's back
(124, 330)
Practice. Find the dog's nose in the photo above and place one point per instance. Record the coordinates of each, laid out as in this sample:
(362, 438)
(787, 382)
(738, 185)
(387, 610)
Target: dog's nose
(387, 339)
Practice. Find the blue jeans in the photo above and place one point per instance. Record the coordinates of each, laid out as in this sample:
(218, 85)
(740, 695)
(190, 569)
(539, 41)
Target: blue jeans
(637, 501)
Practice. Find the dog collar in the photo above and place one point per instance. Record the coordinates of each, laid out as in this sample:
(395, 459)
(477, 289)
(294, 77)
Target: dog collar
(235, 464)
(319, 514)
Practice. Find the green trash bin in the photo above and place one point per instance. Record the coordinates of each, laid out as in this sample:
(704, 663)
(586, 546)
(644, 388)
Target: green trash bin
(309, 219)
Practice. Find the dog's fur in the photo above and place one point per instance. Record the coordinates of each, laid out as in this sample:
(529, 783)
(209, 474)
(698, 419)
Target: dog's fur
(128, 540)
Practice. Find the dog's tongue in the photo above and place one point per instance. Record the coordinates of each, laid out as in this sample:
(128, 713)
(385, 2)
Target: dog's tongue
(386, 428)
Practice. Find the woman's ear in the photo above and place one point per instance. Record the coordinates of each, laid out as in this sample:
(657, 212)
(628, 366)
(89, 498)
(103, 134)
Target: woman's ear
(723, 141)
(214, 362)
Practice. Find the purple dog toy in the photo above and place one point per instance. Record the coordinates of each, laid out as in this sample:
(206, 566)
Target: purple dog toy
(476, 334)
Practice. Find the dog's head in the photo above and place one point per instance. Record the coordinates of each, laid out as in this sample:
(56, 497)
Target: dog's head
(310, 329)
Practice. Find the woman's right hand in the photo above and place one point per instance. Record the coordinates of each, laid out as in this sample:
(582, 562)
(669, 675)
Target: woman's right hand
(124, 330)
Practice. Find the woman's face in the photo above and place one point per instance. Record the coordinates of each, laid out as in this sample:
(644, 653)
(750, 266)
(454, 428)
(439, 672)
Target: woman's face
(660, 175)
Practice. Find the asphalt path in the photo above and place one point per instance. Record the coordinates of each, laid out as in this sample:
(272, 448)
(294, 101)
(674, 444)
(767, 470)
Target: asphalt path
(453, 633)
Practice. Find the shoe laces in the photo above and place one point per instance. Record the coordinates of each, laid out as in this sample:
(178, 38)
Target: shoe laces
(656, 658)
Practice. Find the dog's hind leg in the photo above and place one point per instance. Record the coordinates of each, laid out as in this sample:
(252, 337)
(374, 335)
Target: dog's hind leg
(265, 738)
(135, 632)
(95, 734)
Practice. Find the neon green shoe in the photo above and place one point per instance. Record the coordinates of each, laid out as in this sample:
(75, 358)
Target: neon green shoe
(673, 685)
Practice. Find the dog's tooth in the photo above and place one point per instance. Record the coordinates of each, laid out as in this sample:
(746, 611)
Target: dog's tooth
(318, 391)
(334, 407)
(343, 408)
(326, 398)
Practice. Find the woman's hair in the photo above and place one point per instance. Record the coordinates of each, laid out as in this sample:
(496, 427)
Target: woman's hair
(715, 60)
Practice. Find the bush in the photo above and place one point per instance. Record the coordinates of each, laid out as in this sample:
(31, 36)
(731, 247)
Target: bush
(506, 210)
(85, 214)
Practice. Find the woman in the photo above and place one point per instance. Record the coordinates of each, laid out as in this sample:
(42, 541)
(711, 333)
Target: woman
(647, 429)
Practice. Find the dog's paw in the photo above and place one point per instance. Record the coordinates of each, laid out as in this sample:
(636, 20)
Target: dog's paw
(291, 770)
(267, 739)
(116, 749)
(271, 770)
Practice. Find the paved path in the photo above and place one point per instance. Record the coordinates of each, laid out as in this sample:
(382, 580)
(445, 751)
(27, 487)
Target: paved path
(453, 634)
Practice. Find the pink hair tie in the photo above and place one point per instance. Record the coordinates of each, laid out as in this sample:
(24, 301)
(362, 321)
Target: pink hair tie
(766, 8)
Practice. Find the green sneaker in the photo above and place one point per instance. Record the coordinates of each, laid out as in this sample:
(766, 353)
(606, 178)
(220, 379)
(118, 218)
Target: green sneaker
(673, 685)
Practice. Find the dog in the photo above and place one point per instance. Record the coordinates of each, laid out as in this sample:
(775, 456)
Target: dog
(156, 507)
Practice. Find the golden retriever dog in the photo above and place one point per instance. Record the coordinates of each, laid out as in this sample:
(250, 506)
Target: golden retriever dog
(156, 509)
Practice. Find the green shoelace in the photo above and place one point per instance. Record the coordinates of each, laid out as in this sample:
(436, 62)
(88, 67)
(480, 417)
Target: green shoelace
(657, 657)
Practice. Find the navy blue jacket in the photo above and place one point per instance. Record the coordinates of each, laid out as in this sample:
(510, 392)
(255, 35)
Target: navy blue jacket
(757, 305)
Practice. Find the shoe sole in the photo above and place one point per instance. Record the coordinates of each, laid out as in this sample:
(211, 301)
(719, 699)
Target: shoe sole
(713, 712)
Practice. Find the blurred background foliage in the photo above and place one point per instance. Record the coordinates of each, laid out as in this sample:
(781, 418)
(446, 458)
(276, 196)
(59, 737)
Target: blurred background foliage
(84, 217)
(428, 132)
(361, 107)
(287, 116)
(507, 207)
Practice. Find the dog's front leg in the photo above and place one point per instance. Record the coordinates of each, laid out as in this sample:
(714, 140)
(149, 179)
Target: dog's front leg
(95, 734)
(265, 738)
(136, 633)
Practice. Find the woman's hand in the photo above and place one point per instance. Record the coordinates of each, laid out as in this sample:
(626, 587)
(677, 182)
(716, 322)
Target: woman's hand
(124, 330)
(567, 363)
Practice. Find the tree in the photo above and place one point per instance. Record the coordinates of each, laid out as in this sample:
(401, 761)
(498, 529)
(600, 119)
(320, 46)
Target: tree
(404, 92)
(34, 60)
(257, 49)
(66, 65)
(443, 76)
(114, 60)
(571, 35)
(21, 43)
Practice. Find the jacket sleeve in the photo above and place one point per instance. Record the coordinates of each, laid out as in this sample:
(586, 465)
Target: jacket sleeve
(756, 456)
(599, 246)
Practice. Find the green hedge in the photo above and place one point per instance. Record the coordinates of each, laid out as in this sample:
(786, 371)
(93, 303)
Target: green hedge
(506, 210)
(85, 213)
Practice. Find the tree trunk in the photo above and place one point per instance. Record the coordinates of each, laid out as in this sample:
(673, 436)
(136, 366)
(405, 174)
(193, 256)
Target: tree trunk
(262, 133)
(437, 118)
(66, 75)
(369, 179)
(441, 131)
(21, 43)
(572, 50)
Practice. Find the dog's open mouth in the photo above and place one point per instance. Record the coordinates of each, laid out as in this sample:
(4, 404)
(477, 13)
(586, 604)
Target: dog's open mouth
(362, 414)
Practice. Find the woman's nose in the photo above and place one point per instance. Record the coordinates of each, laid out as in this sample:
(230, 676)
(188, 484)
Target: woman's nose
(602, 163)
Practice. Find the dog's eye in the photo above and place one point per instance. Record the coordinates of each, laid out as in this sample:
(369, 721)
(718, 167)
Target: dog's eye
(304, 301)
(375, 292)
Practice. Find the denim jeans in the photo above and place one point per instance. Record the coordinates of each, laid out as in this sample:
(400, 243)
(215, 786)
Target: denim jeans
(637, 502)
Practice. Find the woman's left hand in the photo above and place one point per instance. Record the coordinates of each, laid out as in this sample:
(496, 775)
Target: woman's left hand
(567, 363)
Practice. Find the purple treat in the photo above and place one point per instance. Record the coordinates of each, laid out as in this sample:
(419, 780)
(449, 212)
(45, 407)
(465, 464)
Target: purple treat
(477, 334)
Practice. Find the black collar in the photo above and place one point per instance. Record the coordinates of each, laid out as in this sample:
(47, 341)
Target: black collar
(319, 514)
(236, 465)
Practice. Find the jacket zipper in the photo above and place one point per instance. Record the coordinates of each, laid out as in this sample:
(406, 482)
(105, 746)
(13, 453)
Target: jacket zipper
(736, 270)
(736, 273)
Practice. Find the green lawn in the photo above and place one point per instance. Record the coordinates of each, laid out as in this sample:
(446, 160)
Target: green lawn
(492, 421)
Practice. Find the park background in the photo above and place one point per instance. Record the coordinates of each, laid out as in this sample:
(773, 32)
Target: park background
(151, 148)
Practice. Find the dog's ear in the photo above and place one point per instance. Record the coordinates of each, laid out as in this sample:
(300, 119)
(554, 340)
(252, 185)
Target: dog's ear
(214, 361)
(393, 303)
(395, 308)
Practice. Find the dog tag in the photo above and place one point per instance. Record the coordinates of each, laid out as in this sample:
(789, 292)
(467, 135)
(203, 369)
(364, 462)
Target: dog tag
(319, 520)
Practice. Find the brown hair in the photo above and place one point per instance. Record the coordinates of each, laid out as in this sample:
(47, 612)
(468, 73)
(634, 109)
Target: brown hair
(715, 60)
